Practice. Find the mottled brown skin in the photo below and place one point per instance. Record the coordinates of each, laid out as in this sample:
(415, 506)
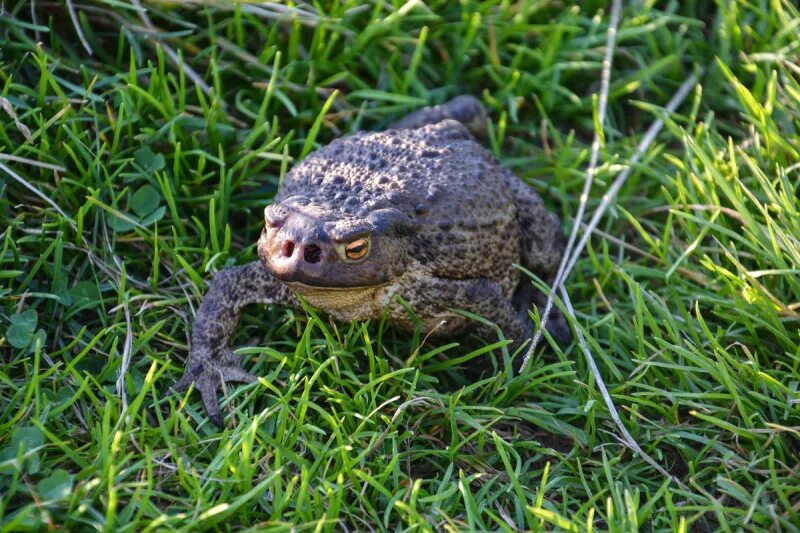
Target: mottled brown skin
(428, 214)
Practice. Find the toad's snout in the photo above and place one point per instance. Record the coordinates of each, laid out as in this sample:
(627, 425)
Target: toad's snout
(294, 245)
(301, 260)
(310, 253)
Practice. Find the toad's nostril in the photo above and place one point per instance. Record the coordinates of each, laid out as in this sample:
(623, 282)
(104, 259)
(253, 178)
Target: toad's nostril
(312, 253)
(288, 249)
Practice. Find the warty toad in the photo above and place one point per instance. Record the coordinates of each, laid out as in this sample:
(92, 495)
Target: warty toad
(420, 211)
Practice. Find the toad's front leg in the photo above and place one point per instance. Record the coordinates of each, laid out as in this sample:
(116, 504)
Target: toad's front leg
(211, 360)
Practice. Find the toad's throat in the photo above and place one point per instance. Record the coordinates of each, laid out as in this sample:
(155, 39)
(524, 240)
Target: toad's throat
(329, 298)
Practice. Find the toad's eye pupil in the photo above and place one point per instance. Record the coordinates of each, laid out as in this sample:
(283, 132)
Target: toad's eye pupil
(357, 249)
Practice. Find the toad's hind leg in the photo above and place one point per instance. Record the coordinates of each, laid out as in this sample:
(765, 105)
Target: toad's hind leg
(541, 249)
(465, 109)
(438, 299)
(211, 360)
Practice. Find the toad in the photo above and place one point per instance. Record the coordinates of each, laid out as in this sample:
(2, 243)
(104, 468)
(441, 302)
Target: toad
(418, 215)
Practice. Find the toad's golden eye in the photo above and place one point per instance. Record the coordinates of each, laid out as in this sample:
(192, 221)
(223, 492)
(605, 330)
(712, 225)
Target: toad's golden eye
(357, 249)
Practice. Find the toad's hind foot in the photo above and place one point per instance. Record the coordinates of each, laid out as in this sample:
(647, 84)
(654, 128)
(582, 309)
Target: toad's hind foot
(465, 109)
(208, 377)
(557, 325)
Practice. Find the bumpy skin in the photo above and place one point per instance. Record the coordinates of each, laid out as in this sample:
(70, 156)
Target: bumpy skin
(442, 222)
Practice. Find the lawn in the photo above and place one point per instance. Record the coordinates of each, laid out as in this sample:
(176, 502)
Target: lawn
(139, 144)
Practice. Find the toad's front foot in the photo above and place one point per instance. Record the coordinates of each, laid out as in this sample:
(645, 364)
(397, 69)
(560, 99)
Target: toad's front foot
(211, 361)
(208, 374)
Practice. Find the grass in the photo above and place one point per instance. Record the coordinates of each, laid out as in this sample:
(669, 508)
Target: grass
(135, 185)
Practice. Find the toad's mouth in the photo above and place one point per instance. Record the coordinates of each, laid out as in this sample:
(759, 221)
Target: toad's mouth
(305, 286)
(307, 279)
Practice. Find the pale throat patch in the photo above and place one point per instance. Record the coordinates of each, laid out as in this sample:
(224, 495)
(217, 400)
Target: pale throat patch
(329, 299)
